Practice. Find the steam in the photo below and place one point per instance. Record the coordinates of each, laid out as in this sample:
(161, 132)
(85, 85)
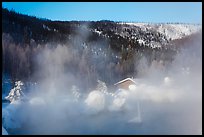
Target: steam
(161, 102)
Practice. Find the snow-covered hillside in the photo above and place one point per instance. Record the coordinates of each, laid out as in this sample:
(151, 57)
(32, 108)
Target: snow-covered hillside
(171, 31)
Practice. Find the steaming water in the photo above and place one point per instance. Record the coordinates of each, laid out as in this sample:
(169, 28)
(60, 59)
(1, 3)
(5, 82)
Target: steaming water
(170, 101)
(161, 111)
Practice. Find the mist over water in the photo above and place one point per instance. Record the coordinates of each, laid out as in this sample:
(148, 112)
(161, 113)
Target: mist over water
(170, 100)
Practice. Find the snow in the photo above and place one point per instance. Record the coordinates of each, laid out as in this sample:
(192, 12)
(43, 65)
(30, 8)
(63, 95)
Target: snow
(124, 81)
(119, 100)
(4, 132)
(75, 92)
(10, 119)
(101, 86)
(15, 93)
(117, 104)
(171, 31)
(99, 32)
(95, 101)
(46, 27)
(177, 31)
(141, 41)
(55, 30)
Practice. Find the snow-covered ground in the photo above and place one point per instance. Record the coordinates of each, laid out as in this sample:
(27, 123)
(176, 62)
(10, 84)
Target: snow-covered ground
(4, 132)
(128, 108)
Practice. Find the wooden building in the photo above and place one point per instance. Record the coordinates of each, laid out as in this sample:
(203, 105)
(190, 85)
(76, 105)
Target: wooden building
(124, 84)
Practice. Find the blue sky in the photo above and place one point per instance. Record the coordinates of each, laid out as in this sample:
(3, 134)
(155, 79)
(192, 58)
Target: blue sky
(184, 12)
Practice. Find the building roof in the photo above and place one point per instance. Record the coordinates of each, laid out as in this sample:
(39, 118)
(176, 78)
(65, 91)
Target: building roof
(127, 79)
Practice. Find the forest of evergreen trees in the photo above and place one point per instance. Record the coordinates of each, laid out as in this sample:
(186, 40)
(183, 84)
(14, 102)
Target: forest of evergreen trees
(106, 55)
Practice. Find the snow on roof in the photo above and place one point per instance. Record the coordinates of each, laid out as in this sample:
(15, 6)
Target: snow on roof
(125, 80)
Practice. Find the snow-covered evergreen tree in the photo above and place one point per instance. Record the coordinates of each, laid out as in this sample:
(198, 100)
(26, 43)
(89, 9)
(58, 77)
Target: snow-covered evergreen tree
(16, 93)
